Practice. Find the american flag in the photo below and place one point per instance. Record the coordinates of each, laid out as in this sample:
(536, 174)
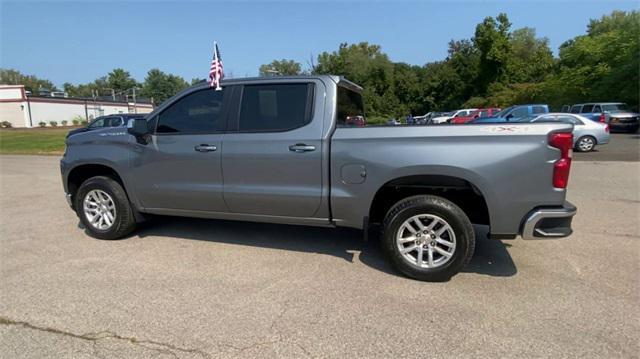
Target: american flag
(216, 73)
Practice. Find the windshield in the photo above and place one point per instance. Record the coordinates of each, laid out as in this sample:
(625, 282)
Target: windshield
(504, 112)
(617, 107)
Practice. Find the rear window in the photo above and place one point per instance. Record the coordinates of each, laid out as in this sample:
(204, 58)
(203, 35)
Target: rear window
(539, 109)
(587, 109)
(349, 106)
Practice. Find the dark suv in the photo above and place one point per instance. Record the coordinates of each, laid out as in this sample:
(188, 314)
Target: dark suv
(115, 120)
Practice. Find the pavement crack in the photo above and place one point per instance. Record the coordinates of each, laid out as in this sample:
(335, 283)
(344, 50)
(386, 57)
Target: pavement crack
(95, 337)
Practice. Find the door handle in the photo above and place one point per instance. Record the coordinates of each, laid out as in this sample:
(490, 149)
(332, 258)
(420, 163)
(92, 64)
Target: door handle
(205, 148)
(301, 147)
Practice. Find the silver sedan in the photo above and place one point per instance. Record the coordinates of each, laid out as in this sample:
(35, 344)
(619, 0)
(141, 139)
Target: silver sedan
(586, 133)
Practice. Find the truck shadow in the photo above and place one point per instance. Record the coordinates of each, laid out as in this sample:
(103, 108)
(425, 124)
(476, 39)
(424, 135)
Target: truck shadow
(491, 256)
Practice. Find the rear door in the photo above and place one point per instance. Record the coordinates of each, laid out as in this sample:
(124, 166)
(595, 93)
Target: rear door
(178, 167)
(272, 164)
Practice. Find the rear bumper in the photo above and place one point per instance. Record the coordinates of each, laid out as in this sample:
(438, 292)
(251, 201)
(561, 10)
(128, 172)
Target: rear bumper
(546, 223)
(624, 126)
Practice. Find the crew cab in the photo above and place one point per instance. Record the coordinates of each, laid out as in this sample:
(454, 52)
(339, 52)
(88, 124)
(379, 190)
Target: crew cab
(281, 150)
(513, 114)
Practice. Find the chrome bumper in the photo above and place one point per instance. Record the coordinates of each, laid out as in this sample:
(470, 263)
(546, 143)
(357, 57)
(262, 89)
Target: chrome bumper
(543, 223)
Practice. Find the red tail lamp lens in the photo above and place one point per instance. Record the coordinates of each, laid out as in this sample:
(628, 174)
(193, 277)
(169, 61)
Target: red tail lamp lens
(564, 142)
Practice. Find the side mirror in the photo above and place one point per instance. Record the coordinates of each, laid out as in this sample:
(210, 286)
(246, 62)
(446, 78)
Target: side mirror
(509, 116)
(137, 127)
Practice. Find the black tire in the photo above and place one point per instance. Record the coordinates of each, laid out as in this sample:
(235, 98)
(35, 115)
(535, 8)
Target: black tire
(446, 210)
(586, 138)
(124, 221)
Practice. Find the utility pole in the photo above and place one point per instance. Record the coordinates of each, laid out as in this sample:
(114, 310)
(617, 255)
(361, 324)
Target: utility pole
(135, 107)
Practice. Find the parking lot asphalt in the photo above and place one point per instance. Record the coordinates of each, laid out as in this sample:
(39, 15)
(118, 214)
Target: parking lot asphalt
(622, 147)
(187, 288)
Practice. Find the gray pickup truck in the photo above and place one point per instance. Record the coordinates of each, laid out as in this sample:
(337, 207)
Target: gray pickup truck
(279, 150)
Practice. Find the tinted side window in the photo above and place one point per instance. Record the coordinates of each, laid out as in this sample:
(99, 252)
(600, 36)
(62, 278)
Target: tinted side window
(570, 119)
(115, 121)
(97, 123)
(349, 105)
(575, 109)
(586, 109)
(520, 112)
(539, 109)
(277, 107)
(198, 112)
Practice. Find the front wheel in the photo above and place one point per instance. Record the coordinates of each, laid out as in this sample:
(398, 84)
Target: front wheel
(428, 238)
(104, 209)
(585, 144)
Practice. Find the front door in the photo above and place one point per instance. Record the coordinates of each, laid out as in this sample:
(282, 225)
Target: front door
(272, 164)
(180, 166)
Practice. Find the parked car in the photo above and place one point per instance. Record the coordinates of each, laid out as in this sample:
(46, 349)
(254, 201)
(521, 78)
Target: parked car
(116, 120)
(616, 114)
(449, 115)
(586, 133)
(426, 118)
(278, 149)
(513, 114)
(356, 121)
(485, 112)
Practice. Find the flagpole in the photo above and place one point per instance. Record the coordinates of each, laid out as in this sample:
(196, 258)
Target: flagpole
(217, 74)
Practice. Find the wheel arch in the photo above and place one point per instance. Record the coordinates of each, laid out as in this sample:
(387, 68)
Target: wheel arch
(83, 172)
(458, 190)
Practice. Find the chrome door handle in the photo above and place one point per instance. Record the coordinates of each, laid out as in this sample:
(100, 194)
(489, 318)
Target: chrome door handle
(205, 148)
(301, 147)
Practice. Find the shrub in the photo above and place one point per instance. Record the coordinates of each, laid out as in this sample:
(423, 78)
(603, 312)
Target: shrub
(42, 124)
(77, 119)
(84, 122)
(53, 123)
(5, 124)
(64, 122)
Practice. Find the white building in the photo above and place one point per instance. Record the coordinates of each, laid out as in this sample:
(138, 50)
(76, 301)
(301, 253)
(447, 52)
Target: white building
(28, 111)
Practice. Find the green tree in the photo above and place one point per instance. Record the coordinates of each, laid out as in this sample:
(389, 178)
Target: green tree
(367, 66)
(281, 68)
(30, 82)
(492, 41)
(120, 80)
(159, 86)
(532, 59)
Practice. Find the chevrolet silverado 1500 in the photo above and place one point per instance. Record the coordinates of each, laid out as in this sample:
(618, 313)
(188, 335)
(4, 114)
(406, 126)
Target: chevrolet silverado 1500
(280, 150)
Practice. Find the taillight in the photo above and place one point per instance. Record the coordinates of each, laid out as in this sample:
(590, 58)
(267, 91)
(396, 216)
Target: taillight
(601, 118)
(606, 128)
(564, 142)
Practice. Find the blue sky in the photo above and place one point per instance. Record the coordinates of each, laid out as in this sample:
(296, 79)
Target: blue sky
(79, 41)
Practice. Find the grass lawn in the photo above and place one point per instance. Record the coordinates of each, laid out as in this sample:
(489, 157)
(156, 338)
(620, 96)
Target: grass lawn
(33, 141)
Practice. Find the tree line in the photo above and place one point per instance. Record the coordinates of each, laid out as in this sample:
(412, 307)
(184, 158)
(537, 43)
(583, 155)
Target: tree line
(498, 66)
(157, 85)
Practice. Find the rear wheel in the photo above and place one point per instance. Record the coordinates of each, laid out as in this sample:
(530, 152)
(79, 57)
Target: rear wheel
(428, 238)
(585, 144)
(104, 209)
